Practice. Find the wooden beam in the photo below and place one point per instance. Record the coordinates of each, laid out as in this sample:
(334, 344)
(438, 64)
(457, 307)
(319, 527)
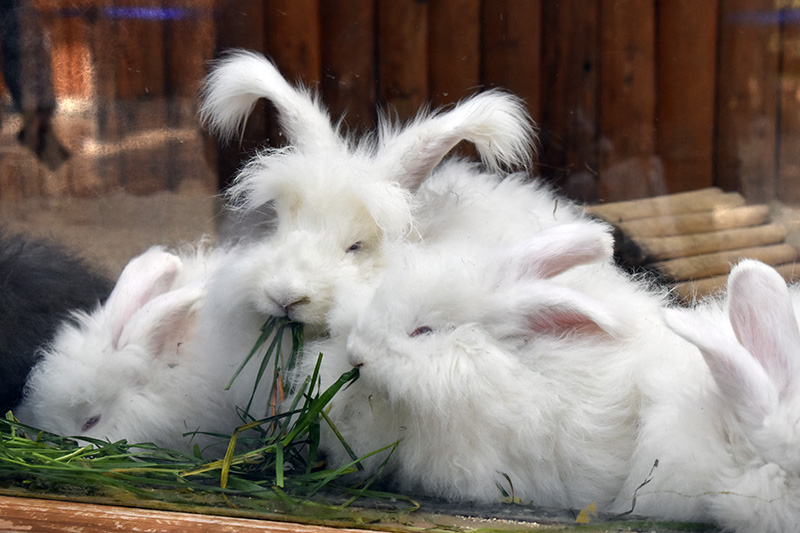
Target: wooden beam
(45, 516)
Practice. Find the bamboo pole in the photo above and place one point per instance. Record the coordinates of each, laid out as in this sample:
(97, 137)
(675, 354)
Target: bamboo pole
(716, 220)
(707, 265)
(697, 289)
(671, 204)
(663, 248)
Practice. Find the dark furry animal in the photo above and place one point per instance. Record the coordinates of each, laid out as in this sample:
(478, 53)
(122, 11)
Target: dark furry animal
(40, 284)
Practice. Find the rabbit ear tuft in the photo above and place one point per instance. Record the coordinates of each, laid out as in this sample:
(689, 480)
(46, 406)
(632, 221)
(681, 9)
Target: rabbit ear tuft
(239, 79)
(497, 123)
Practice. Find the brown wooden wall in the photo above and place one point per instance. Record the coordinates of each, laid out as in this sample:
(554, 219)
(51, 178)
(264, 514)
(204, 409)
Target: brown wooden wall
(634, 97)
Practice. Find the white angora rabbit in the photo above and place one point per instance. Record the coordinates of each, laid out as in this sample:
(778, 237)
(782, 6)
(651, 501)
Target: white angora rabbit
(752, 349)
(130, 369)
(484, 366)
(337, 199)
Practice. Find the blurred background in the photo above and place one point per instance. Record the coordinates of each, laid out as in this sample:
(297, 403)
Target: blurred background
(634, 98)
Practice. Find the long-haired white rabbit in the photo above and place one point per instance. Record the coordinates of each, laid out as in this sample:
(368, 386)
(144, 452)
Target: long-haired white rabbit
(751, 346)
(131, 369)
(484, 366)
(338, 199)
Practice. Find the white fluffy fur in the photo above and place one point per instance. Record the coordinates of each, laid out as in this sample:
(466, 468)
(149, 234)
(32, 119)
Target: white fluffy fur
(751, 346)
(132, 365)
(519, 375)
(572, 386)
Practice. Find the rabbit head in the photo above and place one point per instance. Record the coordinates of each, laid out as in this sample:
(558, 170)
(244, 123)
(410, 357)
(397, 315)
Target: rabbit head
(433, 294)
(337, 199)
(456, 337)
(126, 370)
(757, 368)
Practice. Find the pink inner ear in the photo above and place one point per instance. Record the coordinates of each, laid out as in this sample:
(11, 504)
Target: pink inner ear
(563, 323)
(763, 319)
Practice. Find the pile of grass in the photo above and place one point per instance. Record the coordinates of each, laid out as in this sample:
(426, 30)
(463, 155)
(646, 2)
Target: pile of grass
(271, 463)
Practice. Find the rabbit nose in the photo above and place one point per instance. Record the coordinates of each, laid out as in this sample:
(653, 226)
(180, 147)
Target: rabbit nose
(355, 360)
(288, 307)
(356, 354)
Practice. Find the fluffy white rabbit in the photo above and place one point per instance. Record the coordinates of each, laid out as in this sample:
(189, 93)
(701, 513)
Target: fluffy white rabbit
(131, 368)
(338, 199)
(484, 366)
(751, 346)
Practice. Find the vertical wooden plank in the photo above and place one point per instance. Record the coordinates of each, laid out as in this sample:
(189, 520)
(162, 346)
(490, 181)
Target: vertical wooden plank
(70, 54)
(348, 60)
(626, 152)
(686, 48)
(140, 91)
(292, 32)
(511, 49)
(403, 55)
(453, 50)
(747, 103)
(189, 38)
(788, 184)
(102, 35)
(240, 25)
(570, 88)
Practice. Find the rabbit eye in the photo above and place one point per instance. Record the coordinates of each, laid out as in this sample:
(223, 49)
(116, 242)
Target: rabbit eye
(89, 424)
(356, 246)
(422, 330)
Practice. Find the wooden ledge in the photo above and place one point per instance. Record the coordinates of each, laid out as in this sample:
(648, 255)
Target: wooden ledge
(28, 514)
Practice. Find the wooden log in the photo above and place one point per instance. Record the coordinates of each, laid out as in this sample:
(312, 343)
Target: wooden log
(747, 102)
(687, 63)
(403, 55)
(694, 290)
(719, 219)
(454, 54)
(348, 61)
(292, 29)
(788, 179)
(241, 25)
(707, 265)
(511, 49)
(570, 61)
(627, 97)
(663, 248)
(671, 204)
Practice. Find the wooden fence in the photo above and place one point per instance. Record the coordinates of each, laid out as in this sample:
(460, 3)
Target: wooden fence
(634, 97)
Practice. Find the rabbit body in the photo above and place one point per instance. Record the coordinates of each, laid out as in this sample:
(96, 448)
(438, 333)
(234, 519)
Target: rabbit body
(477, 367)
(131, 368)
(482, 365)
(750, 347)
(41, 284)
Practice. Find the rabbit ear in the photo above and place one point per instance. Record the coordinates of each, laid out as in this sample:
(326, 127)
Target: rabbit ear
(557, 249)
(739, 376)
(239, 79)
(763, 319)
(164, 322)
(498, 124)
(142, 279)
(552, 309)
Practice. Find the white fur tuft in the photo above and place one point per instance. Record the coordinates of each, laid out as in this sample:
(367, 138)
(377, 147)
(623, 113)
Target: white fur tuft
(239, 79)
